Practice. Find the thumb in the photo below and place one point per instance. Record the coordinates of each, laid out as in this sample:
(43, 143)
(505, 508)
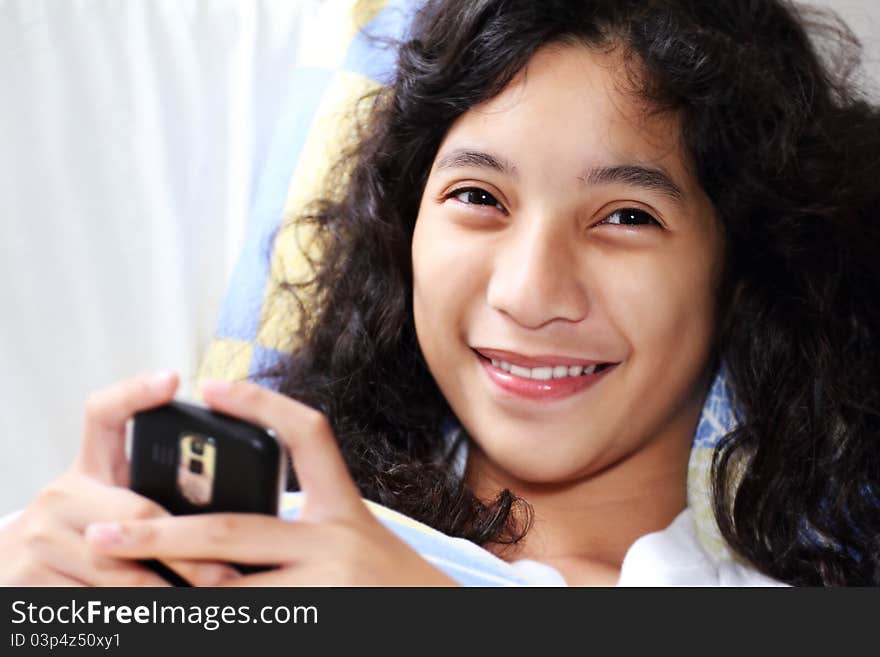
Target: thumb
(102, 451)
(330, 493)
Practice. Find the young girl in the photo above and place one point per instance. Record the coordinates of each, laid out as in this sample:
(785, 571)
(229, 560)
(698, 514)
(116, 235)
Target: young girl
(563, 221)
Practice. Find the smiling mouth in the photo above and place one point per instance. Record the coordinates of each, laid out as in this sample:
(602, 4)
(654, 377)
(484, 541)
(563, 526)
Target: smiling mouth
(547, 372)
(543, 378)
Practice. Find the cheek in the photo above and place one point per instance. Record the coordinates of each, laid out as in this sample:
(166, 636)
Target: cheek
(664, 307)
(446, 283)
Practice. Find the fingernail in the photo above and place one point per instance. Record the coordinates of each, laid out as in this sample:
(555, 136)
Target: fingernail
(105, 533)
(215, 387)
(159, 381)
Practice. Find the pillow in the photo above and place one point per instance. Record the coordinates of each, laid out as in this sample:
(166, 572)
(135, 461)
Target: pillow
(339, 63)
(342, 63)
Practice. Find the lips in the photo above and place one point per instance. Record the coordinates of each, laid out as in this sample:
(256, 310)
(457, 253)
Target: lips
(535, 361)
(497, 365)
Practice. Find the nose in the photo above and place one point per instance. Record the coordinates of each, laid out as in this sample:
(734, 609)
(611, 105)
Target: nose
(536, 278)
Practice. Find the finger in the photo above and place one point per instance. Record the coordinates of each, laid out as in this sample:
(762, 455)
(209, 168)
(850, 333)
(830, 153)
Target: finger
(37, 574)
(64, 502)
(228, 537)
(102, 452)
(63, 551)
(294, 576)
(77, 500)
(323, 476)
(198, 572)
(52, 578)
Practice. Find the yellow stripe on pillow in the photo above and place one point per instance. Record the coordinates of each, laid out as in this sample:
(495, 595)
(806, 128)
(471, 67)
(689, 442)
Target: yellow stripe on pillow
(226, 359)
(331, 133)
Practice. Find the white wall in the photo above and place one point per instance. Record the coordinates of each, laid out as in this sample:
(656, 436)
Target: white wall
(131, 133)
(863, 16)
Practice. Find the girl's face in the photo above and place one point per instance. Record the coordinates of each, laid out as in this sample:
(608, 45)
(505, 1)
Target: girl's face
(560, 231)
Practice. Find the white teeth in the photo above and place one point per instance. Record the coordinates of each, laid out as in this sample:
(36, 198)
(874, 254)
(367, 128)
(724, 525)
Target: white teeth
(544, 373)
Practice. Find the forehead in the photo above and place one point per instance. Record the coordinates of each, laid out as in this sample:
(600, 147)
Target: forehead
(582, 105)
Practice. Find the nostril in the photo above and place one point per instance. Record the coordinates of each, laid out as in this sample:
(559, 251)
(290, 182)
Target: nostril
(534, 292)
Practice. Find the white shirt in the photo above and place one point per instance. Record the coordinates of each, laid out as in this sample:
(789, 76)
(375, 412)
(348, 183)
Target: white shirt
(670, 557)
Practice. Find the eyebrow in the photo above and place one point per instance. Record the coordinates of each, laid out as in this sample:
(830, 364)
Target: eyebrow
(464, 157)
(635, 175)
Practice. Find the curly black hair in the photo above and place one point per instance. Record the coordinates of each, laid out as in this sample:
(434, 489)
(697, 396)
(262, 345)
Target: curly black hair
(788, 150)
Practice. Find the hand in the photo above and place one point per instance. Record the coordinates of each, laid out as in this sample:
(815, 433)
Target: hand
(336, 541)
(45, 546)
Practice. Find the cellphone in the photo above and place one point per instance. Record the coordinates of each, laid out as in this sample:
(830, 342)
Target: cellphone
(190, 459)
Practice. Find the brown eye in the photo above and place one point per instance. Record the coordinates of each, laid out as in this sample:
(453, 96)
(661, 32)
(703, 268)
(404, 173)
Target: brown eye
(476, 196)
(630, 217)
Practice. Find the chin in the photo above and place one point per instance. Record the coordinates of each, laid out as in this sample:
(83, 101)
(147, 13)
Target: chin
(530, 465)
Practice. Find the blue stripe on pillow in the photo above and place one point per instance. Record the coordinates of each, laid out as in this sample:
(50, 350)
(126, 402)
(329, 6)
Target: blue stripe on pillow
(718, 416)
(240, 312)
(369, 53)
(262, 360)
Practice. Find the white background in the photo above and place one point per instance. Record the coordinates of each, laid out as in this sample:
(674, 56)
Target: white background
(132, 133)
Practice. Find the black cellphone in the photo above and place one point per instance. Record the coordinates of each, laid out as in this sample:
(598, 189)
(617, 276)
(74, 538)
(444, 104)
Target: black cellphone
(190, 459)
